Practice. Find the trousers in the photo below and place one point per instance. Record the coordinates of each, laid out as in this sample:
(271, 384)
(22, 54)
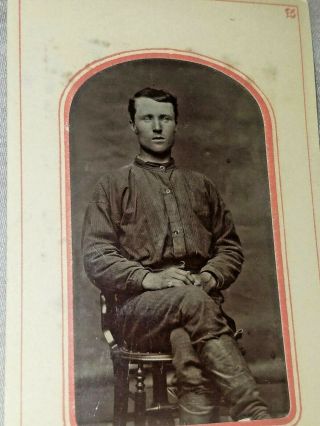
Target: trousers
(187, 321)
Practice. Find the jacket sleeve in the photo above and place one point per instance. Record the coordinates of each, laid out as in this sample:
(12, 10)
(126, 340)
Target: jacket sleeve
(106, 267)
(227, 258)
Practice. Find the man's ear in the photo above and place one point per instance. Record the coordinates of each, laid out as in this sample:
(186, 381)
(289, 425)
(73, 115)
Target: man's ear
(133, 127)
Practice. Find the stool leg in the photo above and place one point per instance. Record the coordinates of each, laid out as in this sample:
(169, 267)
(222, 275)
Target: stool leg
(159, 385)
(121, 392)
(140, 398)
(160, 395)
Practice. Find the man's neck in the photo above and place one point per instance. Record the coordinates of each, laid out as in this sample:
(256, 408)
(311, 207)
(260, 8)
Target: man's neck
(161, 159)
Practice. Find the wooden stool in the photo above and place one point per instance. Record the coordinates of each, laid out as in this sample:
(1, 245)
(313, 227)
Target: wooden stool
(122, 359)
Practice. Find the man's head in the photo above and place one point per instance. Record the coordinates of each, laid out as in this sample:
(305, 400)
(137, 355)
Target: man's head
(153, 116)
(155, 94)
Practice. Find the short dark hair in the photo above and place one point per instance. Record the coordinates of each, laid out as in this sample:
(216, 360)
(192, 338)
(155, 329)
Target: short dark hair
(155, 94)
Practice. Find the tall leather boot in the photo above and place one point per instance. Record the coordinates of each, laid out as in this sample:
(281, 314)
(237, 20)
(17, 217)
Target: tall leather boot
(188, 417)
(222, 358)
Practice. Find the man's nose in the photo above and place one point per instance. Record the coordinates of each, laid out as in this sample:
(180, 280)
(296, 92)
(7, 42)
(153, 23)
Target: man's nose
(157, 125)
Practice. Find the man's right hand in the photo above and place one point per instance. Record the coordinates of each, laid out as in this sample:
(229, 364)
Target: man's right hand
(171, 277)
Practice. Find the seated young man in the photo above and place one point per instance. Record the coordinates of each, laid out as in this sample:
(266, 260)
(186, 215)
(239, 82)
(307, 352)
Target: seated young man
(160, 239)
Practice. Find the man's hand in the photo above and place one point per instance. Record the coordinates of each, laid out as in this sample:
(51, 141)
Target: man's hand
(171, 277)
(205, 280)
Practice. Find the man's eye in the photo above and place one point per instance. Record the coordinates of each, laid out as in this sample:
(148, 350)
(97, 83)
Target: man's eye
(166, 119)
(147, 118)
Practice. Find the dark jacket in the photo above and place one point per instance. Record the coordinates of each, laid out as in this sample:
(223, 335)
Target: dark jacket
(147, 216)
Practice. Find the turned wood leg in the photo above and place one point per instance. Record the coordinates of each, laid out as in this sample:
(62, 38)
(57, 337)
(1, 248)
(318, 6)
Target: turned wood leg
(121, 392)
(160, 395)
(140, 398)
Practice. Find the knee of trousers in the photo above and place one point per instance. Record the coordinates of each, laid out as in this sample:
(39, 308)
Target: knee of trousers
(201, 317)
(196, 300)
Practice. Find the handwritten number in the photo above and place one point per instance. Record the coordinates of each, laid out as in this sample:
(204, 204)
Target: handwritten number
(290, 12)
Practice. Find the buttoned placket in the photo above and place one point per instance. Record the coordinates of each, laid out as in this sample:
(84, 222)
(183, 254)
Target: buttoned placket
(178, 241)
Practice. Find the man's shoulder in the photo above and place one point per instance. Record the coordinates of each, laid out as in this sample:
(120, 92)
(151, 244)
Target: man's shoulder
(115, 176)
(196, 176)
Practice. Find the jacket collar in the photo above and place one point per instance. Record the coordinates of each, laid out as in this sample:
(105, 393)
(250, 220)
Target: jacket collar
(154, 166)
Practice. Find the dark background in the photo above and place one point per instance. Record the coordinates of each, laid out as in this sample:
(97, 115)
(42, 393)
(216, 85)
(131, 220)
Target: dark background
(221, 134)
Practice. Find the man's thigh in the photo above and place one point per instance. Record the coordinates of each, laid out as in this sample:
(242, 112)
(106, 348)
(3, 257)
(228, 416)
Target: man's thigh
(145, 321)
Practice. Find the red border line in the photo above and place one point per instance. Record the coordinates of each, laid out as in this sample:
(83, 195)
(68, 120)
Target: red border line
(61, 269)
(287, 264)
(254, 91)
(67, 106)
(21, 212)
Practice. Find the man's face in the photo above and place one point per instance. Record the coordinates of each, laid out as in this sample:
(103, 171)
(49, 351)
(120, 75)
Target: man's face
(154, 125)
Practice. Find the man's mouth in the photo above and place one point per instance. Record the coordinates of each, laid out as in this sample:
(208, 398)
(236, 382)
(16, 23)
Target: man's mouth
(158, 138)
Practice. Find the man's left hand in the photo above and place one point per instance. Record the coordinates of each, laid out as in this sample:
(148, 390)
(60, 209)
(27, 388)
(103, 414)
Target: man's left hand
(205, 280)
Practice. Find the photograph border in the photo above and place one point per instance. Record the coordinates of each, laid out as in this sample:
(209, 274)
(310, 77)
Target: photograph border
(274, 176)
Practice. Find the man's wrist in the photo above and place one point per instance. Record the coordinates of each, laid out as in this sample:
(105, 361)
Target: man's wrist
(146, 282)
(208, 281)
(206, 276)
(216, 274)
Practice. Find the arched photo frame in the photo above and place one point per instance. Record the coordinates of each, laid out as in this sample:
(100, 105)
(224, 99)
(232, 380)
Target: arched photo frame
(227, 131)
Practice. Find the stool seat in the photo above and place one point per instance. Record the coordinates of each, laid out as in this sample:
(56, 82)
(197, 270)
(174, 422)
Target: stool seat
(141, 356)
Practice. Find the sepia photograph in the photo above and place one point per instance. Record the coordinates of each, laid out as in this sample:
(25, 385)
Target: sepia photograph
(172, 230)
